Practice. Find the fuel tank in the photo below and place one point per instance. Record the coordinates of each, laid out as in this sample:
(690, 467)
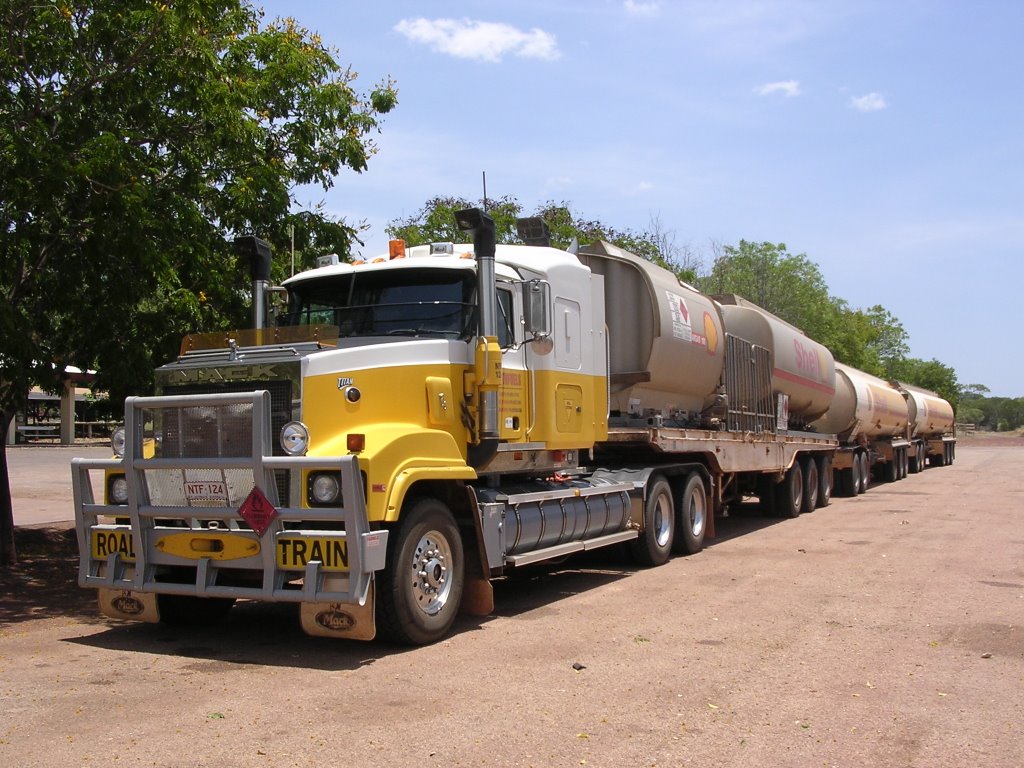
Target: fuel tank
(930, 415)
(666, 342)
(802, 368)
(864, 405)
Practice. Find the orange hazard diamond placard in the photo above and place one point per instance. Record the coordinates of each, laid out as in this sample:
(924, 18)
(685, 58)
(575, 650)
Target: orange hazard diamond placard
(257, 511)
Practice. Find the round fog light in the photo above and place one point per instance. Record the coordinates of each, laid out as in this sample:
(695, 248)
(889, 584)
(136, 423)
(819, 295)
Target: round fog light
(119, 490)
(294, 438)
(325, 489)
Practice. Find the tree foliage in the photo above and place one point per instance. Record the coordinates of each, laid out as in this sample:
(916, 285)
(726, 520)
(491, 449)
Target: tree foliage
(136, 137)
(793, 288)
(929, 374)
(435, 222)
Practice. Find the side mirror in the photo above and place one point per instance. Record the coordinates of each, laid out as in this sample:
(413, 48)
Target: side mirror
(537, 308)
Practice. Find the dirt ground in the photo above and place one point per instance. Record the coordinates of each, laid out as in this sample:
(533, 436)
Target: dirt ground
(885, 630)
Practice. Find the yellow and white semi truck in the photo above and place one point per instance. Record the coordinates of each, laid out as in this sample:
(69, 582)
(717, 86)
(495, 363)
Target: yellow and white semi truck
(413, 427)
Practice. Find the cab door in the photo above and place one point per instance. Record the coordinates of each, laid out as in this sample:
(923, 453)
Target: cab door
(514, 395)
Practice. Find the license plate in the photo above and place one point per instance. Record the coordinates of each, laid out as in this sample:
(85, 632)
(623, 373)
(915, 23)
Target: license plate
(105, 543)
(293, 554)
(206, 490)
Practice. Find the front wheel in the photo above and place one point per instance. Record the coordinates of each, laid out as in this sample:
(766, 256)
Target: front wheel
(654, 544)
(420, 589)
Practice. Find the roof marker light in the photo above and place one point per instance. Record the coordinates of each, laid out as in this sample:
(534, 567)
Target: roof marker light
(396, 249)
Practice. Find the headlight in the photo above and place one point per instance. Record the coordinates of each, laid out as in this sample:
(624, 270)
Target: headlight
(117, 489)
(117, 441)
(294, 438)
(324, 488)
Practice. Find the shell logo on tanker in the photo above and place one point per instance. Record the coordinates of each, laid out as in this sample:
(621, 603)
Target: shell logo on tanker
(710, 334)
(808, 360)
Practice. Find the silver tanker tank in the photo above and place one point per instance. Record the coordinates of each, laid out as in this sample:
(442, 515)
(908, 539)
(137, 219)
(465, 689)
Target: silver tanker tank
(802, 369)
(666, 343)
(864, 405)
(930, 415)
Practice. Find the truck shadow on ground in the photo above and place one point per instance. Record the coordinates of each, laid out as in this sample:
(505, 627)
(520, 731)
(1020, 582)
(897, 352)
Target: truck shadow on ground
(44, 585)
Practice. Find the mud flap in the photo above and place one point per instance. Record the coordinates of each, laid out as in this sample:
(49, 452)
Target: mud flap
(477, 597)
(125, 604)
(340, 620)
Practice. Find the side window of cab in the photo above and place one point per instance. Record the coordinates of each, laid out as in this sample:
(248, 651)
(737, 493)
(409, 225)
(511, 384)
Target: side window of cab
(506, 335)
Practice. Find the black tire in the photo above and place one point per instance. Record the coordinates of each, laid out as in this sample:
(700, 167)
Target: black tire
(654, 545)
(190, 611)
(939, 459)
(892, 469)
(810, 495)
(691, 517)
(824, 481)
(789, 494)
(916, 461)
(904, 463)
(419, 592)
(865, 473)
(856, 483)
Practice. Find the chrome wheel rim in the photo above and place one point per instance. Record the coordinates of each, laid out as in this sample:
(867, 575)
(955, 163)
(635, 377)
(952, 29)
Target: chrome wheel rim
(663, 520)
(431, 573)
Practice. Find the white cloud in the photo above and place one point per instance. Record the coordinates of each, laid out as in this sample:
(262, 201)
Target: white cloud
(480, 40)
(788, 88)
(871, 102)
(637, 8)
(639, 188)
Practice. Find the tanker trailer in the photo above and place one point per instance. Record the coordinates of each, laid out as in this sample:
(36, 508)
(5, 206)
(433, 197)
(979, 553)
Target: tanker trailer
(803, 371)
(870, 419)
(932, 427)
(691, 399)
(666, 342)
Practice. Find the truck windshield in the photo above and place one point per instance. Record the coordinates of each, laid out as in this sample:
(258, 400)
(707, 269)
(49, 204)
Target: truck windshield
(401, 302)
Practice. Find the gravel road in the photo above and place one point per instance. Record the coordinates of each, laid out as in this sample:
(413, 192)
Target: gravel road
(885, 630)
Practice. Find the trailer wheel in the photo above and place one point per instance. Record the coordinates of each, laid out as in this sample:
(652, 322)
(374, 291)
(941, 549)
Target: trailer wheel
(892, 469)
(691, 519)
(916, 461)
(789, 494)
(810, 495)
(865, 473)
(855, 481)
(654, 544)
(420, 590)
(190, 611)
(939, 459)
(824, 481)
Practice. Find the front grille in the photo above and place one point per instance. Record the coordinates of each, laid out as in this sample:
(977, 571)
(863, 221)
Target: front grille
(203, 431)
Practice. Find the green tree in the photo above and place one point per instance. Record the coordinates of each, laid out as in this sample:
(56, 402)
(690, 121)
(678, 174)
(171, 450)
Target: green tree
(435, 223)
(789, 286)
(928, 374)
(135, 137)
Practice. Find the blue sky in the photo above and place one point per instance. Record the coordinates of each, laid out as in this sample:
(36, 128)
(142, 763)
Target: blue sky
(884, 140)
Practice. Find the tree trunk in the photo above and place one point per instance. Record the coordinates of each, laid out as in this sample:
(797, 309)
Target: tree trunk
(8, 555)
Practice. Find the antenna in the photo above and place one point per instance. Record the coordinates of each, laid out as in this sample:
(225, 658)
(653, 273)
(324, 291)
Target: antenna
(486, 207)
